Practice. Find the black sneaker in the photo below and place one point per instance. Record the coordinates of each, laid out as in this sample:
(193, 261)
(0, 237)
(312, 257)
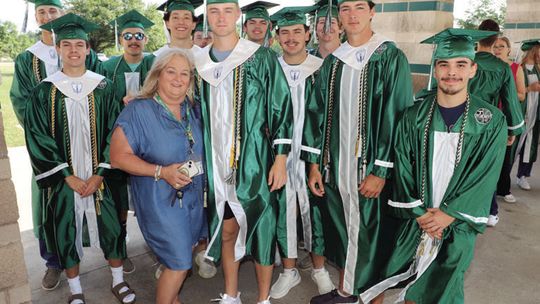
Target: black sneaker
(333, 297)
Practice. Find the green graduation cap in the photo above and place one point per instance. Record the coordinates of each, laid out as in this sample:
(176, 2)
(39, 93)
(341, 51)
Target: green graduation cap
(291, 15)
(322, 7)
(453, 43)
(526, 45)
(131, 19)
(341, 1)
(220, 1)
(199, 27)
(180, 5)
(70, 26)
(56, 3)
(258, 9)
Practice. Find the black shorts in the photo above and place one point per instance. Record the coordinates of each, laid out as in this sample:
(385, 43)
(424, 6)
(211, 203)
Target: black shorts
(228, 214)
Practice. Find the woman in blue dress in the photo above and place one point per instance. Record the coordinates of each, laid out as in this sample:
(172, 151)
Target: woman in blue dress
(156, 137)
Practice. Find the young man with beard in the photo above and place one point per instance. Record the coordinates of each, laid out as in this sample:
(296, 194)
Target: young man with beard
(328, 38)
(448, 154)
(350, 125)
(127, 75)
(300, 69)
(68, 123)
(247, 115)
(32, 66)
(257, 24)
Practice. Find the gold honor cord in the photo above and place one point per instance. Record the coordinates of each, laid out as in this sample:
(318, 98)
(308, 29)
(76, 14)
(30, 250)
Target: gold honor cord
(326, 152)
(237, 124)
(93, 137)
(361, 137)
(35, 67)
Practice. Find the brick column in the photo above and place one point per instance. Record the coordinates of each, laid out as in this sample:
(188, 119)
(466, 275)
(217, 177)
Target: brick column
(408, 23)
(14, 288)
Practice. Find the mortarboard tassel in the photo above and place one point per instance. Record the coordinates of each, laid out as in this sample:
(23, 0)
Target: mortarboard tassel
(313, 41)
(116, 36)
(328, 21)
(167, 34)
(430, 83)
(267, 35)
(205, 20)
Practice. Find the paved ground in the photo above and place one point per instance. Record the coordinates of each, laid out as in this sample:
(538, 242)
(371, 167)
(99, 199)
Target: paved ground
(506, 268)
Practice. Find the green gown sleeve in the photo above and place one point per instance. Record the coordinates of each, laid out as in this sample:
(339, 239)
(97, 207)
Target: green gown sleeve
(397, 95)
(315, 116)
(511, 106)
(22, 86)
(109, 115)
(471, 200)
(279, 105)
(49, 166)
(406, 201)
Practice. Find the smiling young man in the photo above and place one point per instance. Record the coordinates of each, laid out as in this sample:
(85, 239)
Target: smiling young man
(180, 22)
(300, 69)
(127, 75)
(247, 115)
(448, 155)
(68, 123)
(257, 24)
(350, 125)
(32, 66)
(329, 39)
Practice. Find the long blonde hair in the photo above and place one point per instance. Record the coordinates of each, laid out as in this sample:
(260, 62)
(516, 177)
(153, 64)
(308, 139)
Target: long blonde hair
(150, 85)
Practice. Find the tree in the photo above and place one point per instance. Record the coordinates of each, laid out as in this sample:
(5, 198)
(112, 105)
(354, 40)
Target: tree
(13, 43)
(103, 12)
(480, 11)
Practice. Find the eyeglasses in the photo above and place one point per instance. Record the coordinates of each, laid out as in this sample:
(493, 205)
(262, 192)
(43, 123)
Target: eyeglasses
(128, 36)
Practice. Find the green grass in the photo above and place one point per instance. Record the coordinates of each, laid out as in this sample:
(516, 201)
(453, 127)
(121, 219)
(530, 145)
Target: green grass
(13, 132)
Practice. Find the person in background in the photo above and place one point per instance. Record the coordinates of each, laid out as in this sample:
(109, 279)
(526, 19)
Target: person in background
(502, 49)
(198, 34)
(168, 201)
(329, 39)
(257, 24)
(528, 143)
(127, 75)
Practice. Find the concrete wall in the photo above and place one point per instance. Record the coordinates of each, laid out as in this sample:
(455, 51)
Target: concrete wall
(14, 288)
(522, 21)
(408, 23)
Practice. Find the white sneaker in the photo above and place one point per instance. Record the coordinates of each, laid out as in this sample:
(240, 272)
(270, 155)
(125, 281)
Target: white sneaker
(492, 220)
(509, 198)
(323, 281)
(523, 183)
(267, 301)
(286, 281)
(207, 269)
(226, 299)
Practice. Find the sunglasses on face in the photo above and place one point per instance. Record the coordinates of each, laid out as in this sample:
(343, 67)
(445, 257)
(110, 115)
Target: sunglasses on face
(128, 36)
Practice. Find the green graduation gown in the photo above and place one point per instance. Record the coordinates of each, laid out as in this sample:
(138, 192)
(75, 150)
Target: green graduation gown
(301, 80)
(531, 109)
(68, 125)
(495, 83)
(266, 130)
(118, 71)
(31, 67)
(463, 191)
(357, 232)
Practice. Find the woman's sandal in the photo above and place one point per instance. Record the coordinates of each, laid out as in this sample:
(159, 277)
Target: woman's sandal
(122, 295)
(77, 296)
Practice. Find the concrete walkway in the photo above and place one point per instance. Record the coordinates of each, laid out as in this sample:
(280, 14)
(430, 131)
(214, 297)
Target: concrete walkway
(506, 268)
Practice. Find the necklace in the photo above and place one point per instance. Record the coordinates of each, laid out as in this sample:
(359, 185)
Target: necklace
(187, 127)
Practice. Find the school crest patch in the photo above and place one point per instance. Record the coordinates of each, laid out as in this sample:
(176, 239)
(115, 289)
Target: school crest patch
(483, 116)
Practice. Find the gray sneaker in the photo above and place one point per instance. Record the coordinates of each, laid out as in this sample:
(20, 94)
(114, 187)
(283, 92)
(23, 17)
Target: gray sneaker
(129, 267)
(51, 279)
